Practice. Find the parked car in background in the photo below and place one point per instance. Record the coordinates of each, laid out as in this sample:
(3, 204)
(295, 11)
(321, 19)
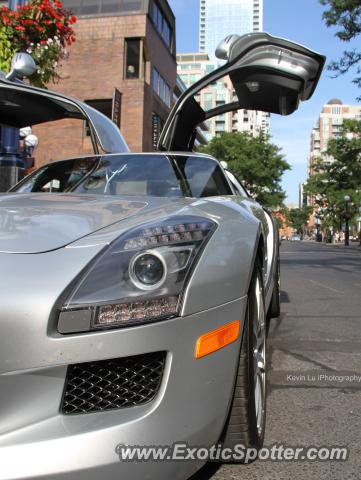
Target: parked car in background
(135, 287)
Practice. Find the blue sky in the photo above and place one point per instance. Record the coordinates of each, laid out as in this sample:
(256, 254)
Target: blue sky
(300, 21)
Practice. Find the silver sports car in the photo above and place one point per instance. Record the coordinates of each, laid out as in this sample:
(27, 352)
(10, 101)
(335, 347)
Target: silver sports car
(135, 288)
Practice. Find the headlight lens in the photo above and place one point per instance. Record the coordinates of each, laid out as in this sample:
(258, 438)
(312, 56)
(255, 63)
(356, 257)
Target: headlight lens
(148, 270)
(141, 276)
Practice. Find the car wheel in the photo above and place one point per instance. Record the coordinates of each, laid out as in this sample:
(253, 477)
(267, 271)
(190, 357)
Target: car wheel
(246, 419)
(275, 305)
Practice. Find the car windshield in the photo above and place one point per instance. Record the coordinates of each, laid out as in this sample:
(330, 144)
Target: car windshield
(141, 174)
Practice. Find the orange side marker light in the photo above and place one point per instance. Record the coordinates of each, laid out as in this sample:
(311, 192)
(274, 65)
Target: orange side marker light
(216, 339)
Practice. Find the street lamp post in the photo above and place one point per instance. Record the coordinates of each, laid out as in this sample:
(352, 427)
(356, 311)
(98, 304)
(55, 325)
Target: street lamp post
(11, 162)
(347, 199)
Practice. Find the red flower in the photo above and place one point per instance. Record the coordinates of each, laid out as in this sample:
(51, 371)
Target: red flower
(73, 19)
(20, 28)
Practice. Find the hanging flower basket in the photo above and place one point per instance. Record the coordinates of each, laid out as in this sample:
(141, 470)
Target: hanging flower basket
(42, 28)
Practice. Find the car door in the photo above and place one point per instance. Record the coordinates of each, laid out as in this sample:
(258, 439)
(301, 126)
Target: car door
(22, 105)
(267, 73)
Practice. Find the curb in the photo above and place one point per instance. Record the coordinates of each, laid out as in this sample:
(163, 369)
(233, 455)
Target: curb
(354, 248)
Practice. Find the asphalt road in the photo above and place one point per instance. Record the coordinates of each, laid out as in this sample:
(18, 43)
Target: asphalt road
(318, 333)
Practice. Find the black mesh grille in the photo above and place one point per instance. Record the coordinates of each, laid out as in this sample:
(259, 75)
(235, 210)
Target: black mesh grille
(112, 384)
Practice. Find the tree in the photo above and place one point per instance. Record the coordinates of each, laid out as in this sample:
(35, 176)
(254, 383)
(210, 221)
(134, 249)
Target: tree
(255, 161)
(278, 221)
(338, 174)
(297, 218)
(345, 14)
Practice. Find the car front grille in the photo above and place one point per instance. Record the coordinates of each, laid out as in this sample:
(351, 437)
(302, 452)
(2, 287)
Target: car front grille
(112, 384)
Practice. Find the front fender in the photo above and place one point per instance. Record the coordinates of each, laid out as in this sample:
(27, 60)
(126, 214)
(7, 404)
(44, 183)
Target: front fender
(224, 270)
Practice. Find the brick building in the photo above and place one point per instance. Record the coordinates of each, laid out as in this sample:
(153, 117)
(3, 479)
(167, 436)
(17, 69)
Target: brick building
(122, 63)
(328, 126)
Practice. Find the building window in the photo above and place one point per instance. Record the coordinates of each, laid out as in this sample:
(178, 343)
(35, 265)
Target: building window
(157, 17)
(104, 106)
(208, 101)
(161, 92)
(167, 94)
(155, 80)
(91, 7)
(161, 87)
(134, 58)
(97, 7)
(184, 77)
(161, 24)
(166, 32)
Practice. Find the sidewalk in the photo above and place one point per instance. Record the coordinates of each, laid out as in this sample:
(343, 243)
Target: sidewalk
(354, 246)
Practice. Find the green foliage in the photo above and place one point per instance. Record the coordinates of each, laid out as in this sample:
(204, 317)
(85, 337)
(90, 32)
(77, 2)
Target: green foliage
(6, 50)
(345, 14)
(279, 222)
(297, 218)
(255, 161)
(338, 174)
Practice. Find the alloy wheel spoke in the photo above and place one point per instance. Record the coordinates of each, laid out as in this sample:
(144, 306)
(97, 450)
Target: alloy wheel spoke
(259, 360)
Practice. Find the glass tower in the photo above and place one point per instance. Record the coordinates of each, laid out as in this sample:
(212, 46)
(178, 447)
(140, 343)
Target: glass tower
(219, 18)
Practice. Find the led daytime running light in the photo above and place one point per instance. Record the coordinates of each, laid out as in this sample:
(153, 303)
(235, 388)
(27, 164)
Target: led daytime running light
(125, 314)
(168, 234)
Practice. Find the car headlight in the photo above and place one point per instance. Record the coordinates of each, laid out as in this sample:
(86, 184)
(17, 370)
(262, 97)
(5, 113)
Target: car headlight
(148, 270)
(139, 278)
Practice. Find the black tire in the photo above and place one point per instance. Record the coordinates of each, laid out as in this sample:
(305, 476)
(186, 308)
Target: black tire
(243, 427)
(275, 305)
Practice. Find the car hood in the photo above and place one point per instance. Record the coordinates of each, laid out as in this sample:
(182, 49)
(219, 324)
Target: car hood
(36, 223)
